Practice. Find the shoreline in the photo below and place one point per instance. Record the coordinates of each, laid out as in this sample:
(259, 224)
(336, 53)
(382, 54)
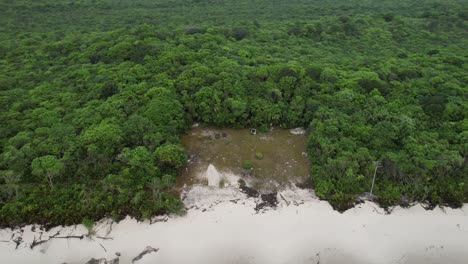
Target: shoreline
(222, 226)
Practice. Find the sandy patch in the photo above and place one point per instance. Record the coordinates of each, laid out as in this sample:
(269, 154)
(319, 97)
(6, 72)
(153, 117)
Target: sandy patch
(221, 226)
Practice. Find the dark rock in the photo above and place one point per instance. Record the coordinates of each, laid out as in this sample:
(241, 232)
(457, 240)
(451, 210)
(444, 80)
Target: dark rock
(193, 158)
(246, 174)
(103, 261)
(271, 199)
(117, 254)
(247, 190)
(114, 261)
(96, 261)
(146, 251)
(268, 200)
(306, 184)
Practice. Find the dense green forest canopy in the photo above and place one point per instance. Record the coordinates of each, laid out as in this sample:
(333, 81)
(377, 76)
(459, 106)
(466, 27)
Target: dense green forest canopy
(94, 95)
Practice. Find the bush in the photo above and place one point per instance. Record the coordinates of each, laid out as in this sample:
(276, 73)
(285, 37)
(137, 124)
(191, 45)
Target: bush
(171, 155)
(259, 155)
(324, 188)
(264, 128)
(390, 195)
(248, 165)
(341, 201)
(89, 224)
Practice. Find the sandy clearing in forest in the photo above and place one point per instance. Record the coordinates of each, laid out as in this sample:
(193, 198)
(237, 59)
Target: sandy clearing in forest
(223, 227)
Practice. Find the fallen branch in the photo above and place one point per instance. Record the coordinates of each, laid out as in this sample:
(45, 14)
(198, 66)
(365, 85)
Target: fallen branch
(234, 201)
(110, 228)
(79, 237)
(163, 218)
(38, 242)
(287, 202)
(105, 238)
(18, 241)
(146, 251)
(103, 247)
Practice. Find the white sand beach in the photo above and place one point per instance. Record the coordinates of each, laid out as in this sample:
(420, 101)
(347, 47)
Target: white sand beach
(221, 226)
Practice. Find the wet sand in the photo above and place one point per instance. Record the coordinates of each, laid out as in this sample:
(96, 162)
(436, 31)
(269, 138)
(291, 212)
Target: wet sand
(221, 226)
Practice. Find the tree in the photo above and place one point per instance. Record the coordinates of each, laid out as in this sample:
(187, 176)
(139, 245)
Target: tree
(208, 104)
(140, 161)
(135, 129)
(10, 187)
(47, 166)
(164, 110)
(171, 155)
(102, 140)
(157, 185)
(239, 33)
